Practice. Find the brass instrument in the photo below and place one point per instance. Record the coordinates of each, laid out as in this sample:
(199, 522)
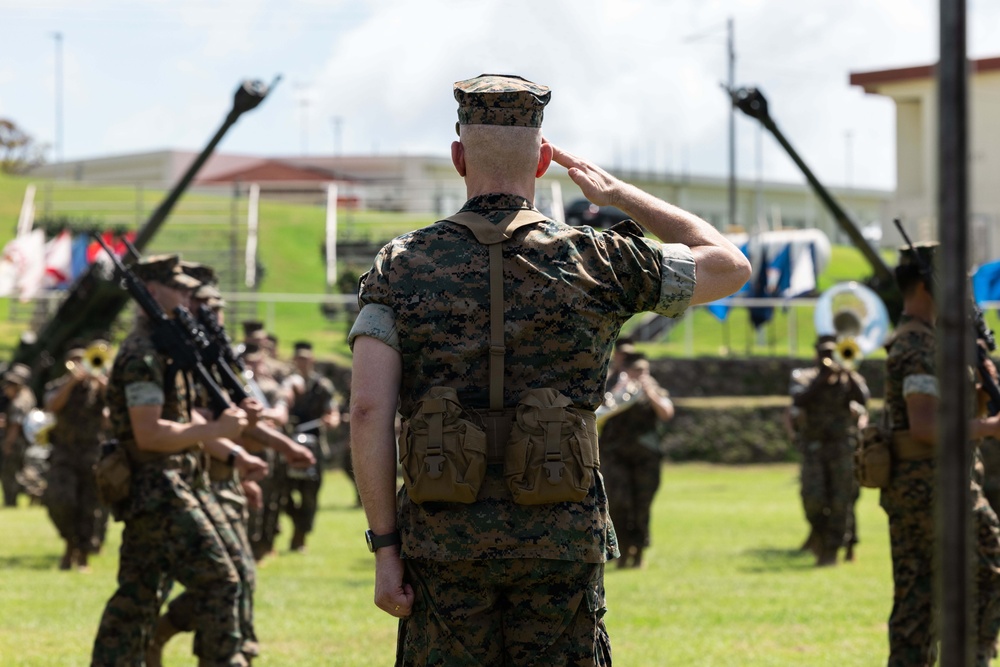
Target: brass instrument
(623, 395)
(96, 359)
(856, 316)
(36, 427)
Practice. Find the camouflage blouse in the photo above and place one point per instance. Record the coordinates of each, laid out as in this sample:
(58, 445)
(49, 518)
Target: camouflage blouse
(567, 292)
(909, 368)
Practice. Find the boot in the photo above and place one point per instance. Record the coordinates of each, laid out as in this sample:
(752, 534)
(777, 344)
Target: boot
(637, 558)
(164, 631)
(826, 558)
(849, 553)
(81, 560)
(69, 556)
(298, 540)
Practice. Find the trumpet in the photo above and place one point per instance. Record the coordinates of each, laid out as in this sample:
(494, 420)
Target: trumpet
(95, 359)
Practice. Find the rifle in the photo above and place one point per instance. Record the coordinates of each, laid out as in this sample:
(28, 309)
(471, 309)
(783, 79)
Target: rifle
(983, 331)
(174, 338)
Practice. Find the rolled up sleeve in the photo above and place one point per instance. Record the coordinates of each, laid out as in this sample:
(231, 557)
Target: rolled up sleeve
(377, 321)
(677, 279)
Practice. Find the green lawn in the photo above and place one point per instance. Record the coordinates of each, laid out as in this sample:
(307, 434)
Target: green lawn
(723, 585)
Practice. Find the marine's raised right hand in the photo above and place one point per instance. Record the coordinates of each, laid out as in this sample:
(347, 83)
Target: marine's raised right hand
(597, 185)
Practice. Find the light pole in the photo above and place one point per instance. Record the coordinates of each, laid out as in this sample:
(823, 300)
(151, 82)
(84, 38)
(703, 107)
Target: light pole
(58, 152)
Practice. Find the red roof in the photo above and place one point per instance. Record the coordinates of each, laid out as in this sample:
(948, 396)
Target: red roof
(870, 81)
(267, 171)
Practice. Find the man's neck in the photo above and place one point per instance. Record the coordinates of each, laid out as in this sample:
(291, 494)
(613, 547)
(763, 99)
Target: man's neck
(476, 187)
(921, 309)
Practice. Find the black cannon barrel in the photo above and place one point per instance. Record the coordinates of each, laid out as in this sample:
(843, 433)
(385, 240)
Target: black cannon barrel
(753, 103)
(95, 300)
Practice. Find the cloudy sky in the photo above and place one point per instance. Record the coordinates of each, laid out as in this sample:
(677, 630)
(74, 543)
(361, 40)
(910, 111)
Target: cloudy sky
(636, 83)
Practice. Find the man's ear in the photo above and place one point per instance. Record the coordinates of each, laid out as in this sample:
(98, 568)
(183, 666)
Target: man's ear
(458, 157)
(544, 159)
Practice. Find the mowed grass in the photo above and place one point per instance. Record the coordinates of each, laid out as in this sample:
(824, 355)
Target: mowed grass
(723, 585)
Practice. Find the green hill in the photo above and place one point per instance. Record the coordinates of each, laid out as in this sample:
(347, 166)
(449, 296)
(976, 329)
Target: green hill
(291, 252)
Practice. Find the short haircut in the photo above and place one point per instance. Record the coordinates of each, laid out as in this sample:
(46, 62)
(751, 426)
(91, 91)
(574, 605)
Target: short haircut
(508, 152)
(908, 276)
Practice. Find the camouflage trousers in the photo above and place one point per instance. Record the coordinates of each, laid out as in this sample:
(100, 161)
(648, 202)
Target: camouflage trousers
(829, 491)
(71, 499)
(480, 613)
(228, 516)
(632, 478)
(909, 502)
(177, 541)
(302, 510)
(9, 467)
(263, 523)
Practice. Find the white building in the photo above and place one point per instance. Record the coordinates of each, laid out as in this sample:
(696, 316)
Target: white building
(429, 184)
(914, 91)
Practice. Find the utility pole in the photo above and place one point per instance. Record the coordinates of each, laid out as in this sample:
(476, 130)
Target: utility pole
(303, 89)
(954, 523)
(58, 152)
(731, 54)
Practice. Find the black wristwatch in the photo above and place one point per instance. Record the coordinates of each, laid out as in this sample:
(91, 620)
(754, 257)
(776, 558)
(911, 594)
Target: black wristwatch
(376, 542)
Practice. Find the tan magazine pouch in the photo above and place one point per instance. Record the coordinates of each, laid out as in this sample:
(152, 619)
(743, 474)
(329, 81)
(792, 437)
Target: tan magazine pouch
(113, 474)
(443, 455)
(552, 451)
(873, 456)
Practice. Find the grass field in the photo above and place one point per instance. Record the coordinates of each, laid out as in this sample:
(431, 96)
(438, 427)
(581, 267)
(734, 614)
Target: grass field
(723, 586)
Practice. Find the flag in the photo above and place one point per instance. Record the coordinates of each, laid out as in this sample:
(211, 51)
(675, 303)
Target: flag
(803, 270)
(22, 266)
(986, 282)
(59, 261)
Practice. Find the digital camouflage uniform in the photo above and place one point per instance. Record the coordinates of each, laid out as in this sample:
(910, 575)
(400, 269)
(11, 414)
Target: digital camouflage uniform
(909, 502)
(263, 523)
(567, 292)
(71, 493)
(826, 435)
(171, 526)
(226, 506)
(10, 464)
(630, 463)
(315, 401)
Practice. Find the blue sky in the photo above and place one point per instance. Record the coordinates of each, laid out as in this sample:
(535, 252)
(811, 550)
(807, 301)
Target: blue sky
(636, 83)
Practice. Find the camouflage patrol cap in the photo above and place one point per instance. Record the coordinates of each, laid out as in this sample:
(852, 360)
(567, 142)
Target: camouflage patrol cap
(251, 326)
(203, 273)
(207, 291)
(17, 374)
(165, 269)
(926, 252)
(826, 342)
(500, 99)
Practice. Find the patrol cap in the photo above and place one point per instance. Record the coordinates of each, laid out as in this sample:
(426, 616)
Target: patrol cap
(926, 252)
(303, 349)
(18, 374)
(252, 352)
(207, 291)
(203, 273)
(826, 342)
(500, 99)
(250, 326)
(165, 269)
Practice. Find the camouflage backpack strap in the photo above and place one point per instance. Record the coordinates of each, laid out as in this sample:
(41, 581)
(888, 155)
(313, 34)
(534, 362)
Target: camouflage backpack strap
(493, 235)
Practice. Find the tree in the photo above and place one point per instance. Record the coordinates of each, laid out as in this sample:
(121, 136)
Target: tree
(19, 152)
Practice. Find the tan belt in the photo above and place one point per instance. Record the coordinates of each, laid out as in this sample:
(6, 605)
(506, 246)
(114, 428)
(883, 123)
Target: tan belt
(905, 448)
